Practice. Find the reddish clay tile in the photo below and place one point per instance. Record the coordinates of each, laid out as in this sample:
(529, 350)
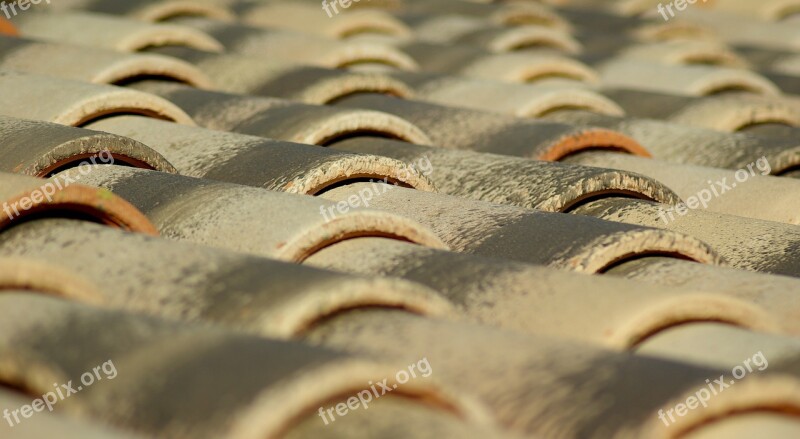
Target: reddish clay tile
(41, 149)
(27, 197)
(7, 28)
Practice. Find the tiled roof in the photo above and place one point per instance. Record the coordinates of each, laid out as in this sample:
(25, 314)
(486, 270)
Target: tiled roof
(534, 219)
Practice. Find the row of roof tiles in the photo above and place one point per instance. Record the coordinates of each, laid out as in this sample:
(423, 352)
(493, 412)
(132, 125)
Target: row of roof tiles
(530, 267)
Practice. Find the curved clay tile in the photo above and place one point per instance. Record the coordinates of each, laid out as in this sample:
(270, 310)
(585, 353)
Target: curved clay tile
(642, 7)
(747, 425)
(93, 65)
(744, 31)
(788, 65)
(161, 10)
(28, 197)
(685, 53)
(51, 425)
(41, 149)
(272, 78)
(692, 80)
(30, 274)
(7, 28)
(506, 14)
(576, 243)
(734, 112)
(515, 371)
(548, 302)
(726, 112)
(513, 99)
(299, 47)
(251, 161)
(307, 18)
(746, 244)
(515, 181)
(99, 30)
(696, 146)
(675, 30)
(526, 68)
(273, 298)
(279, 119)
(480, 131)
(520, 38)
(78, 103)
(247, 219)
(467, 60)
(763, 197)
(268, 385)
(392, 417)
(776, 294)
(709, 344)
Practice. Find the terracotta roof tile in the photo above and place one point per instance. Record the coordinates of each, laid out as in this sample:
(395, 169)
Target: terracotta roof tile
(301, 205)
